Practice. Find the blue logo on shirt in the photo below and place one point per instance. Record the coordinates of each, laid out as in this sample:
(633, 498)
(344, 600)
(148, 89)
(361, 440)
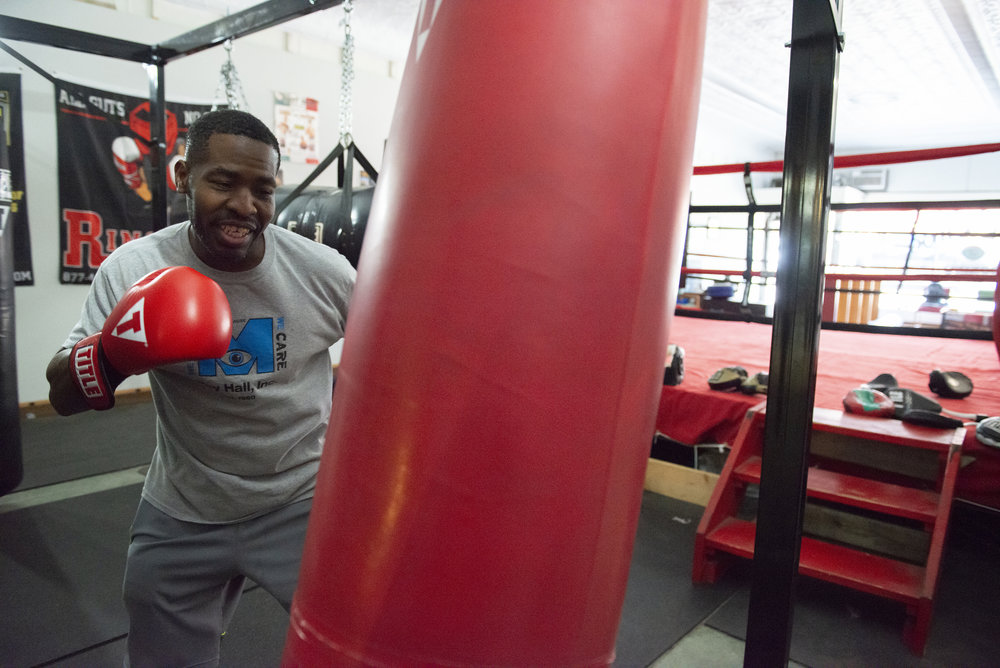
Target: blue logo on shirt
(253, 346)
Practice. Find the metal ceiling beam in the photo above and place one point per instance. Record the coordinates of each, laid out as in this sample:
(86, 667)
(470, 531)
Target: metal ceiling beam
(253, 19)
(250, 20)
(75, 40)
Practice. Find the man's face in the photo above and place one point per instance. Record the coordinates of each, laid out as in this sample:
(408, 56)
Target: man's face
(230, 200)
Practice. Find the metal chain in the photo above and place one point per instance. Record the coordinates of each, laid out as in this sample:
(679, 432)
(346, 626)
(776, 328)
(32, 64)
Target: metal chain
(230, 88)
(346, 76)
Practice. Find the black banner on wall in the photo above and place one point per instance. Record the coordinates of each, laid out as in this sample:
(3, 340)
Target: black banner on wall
(10, 116)
(104, 171)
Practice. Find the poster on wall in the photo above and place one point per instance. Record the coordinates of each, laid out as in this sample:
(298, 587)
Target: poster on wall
(17, 217)
(104, 169)
(296, 124)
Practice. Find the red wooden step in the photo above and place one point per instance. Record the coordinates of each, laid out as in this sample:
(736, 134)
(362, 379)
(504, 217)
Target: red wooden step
(886, 431)
(897, 500)
(825, 561)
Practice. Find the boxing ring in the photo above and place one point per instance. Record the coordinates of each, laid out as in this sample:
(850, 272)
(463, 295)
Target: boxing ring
(692, 413)
(858, 341)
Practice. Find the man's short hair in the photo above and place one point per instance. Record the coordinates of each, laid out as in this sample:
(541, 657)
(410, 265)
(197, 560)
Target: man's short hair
(229, 122)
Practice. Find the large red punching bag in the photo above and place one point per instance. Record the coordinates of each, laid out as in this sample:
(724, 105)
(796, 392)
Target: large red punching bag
(479, 492)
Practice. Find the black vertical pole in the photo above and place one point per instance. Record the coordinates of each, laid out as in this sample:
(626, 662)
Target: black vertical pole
(805, 204)
(682, 278)
(751, 214)
(158, 143)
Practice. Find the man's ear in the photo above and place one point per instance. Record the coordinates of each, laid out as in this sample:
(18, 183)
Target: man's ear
(181, 175)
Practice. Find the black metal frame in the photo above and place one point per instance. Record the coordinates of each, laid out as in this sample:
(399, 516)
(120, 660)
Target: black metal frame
(155, 57)
(345, 157)
(751, 213)
(805, 204)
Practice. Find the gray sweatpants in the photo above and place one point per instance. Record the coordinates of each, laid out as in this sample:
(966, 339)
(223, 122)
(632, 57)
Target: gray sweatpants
(183, 580)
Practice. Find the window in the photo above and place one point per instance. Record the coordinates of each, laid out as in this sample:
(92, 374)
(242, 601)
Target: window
(926, 265)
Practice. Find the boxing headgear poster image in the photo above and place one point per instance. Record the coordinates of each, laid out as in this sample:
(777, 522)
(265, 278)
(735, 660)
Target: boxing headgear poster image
(104, 172)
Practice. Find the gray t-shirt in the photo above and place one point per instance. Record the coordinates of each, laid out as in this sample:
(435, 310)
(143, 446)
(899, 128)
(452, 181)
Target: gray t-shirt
(242, 435)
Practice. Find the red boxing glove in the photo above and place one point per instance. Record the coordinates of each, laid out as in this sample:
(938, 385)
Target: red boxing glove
(170, 315)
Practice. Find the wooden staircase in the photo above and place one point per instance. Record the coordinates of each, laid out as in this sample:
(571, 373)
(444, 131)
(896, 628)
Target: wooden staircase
(879, 496)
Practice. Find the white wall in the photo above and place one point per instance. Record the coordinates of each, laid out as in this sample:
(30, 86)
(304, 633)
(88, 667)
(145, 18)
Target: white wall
(46, 311)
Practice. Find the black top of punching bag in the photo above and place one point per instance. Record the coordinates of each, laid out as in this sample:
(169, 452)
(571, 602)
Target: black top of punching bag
(321, 214)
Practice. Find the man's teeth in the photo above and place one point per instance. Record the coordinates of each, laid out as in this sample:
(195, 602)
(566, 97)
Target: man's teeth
(235, 230)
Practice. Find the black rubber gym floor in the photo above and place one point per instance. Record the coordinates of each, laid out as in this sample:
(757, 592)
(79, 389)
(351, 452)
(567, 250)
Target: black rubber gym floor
(62, 564)
(57, 449)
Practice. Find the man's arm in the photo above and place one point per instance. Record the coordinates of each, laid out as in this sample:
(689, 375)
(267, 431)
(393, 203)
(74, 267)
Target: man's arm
(170, 315)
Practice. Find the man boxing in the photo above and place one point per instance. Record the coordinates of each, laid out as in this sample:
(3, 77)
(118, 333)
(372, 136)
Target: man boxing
(233, 318)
